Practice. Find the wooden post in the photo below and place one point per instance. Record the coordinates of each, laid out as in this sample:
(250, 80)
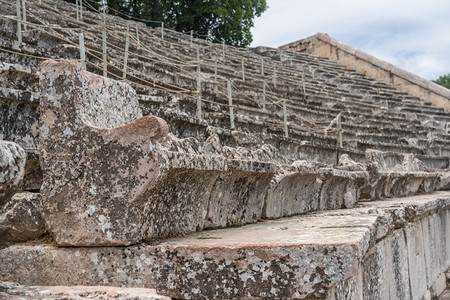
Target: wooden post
(24, 14)
(76, 8)
(215, 69)
(223, 48)
(162, 30)
(339, 125)
(230, 104)
(264, 95)
(81, 10)
(19, 23)
(199, 96)
(243, 70)
(262, 66)
(137, 37)
(304, 85)
(105, 62)
(125, 58)
(82, 51)
(198, 55)
(286, 132)
(192, 36)
(274, 80)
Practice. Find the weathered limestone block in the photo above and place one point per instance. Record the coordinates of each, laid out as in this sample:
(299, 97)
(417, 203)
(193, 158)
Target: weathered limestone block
(341, 189)
(303, 187)
(131, 182)
(375, 251)
(11, 290)
(21, 219)
(388, 179)
(12, 170)
(97, 157)
(294, 190)
(193, 192)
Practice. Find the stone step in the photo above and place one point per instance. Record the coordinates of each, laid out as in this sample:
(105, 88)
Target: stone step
(14, 291)
(391, 249)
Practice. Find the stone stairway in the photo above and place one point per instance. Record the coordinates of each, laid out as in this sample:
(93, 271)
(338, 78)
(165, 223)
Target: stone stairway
(130, 212)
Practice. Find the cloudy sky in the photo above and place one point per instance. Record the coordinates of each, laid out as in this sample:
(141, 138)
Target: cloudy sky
(411, 34)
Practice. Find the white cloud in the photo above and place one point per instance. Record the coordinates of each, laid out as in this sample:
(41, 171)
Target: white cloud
(411, 34)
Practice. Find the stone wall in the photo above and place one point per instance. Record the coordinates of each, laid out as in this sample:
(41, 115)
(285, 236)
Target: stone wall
(393, 249)
(325, 46)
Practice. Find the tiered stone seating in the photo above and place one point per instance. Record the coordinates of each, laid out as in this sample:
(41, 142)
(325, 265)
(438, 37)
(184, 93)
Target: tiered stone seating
(113, 177)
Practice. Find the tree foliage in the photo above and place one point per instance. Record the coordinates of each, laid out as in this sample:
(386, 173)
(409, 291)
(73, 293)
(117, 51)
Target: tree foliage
(443, 80)
(221, 20)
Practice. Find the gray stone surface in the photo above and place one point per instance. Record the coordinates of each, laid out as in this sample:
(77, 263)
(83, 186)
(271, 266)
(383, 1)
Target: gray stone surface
(12, 170)
(130, 182)
(302, 187)
(11, 290)
(21, 219)
(341, 253)
(97, 157)
(391, 179)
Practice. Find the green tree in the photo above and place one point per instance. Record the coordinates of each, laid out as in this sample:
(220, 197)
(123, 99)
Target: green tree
(221, 20)
(443, 80)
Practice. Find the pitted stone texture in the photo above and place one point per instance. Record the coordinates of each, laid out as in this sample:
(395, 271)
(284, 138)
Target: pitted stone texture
(194, 192)
(348, 164)
(389, 179)
(97, 158)
(11, 290)
(304, 257)
(12, 170)
(303, 187)
(21, 219)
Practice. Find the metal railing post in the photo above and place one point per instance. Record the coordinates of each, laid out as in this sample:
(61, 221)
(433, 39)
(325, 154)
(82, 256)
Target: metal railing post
(339, 126)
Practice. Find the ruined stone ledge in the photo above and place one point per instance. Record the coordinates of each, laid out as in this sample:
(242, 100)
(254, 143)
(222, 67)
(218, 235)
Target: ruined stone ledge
(320, 255)
(19, 95)
(10, 290)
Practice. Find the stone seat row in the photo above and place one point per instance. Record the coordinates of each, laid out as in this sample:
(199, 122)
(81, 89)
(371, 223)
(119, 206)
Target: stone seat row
(365, 84)
(344, 124)
(88, 127)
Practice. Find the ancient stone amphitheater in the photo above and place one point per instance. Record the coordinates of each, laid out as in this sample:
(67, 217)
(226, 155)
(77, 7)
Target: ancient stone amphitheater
(142, 162)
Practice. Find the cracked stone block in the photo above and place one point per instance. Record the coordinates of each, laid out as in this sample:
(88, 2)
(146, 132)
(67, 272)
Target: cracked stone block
(97, 157)
(12, 170)
(21, 219)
